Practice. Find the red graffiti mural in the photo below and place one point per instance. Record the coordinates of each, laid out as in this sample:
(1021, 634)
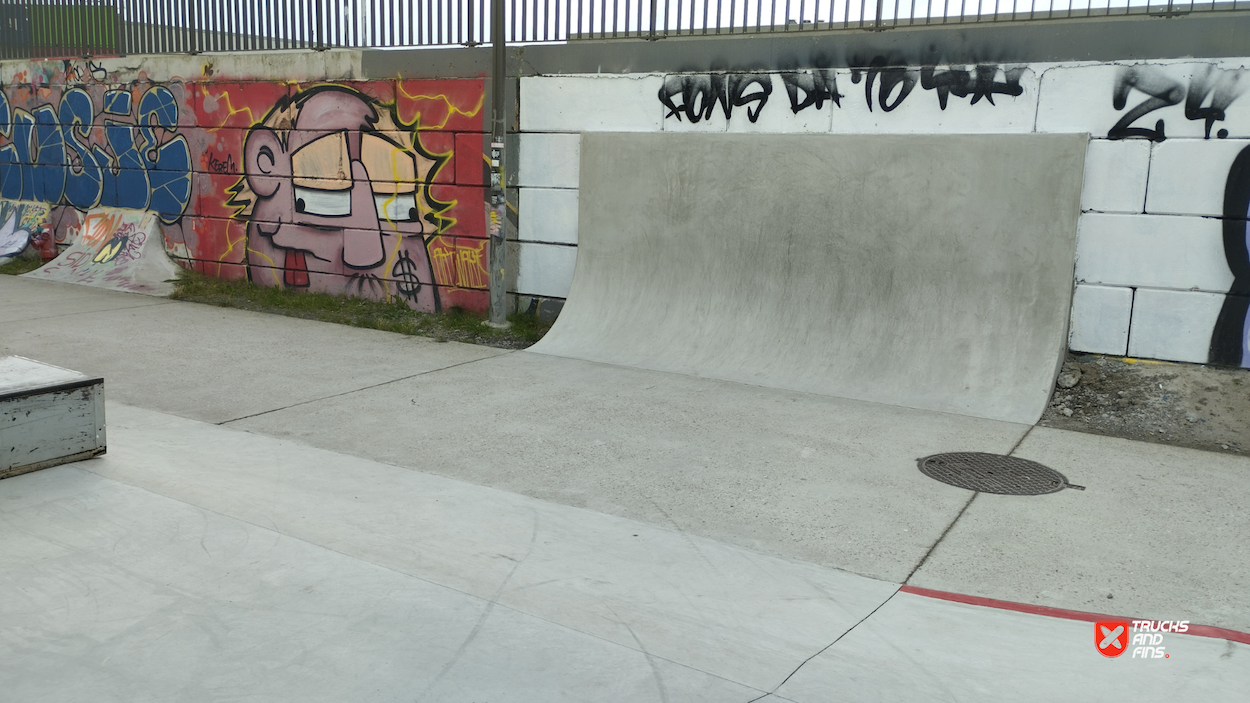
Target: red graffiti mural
(372, 189)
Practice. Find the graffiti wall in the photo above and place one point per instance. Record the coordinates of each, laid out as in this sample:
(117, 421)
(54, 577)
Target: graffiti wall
(372, 188)
(1162, 270)
(19, 223)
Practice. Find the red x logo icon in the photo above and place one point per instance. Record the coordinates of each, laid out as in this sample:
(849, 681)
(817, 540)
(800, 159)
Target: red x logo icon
(1111, 638)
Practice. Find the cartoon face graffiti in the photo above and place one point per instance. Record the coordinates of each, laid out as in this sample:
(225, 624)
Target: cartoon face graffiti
(336, 196)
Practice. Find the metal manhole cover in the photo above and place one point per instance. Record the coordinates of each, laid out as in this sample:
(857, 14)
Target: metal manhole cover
(993, 473)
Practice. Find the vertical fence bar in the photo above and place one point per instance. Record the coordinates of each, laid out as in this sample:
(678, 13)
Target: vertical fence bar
(131, 28)
(76, 18)
(64, 29)
(154, 22)
(167, 26)
(126, 26)
(158, 26)
(9, 48)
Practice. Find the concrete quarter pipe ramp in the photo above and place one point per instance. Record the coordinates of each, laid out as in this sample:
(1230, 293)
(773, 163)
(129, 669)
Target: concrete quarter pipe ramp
(928, 272)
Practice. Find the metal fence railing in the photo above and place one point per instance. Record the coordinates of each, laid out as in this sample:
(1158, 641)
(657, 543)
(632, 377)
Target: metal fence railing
(63, 28)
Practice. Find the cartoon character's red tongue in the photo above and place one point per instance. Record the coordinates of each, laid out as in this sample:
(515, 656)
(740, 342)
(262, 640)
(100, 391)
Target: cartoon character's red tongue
(296, 269)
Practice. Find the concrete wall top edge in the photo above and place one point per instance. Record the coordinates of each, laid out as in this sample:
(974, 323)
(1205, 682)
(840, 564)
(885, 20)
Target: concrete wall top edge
(284, 66)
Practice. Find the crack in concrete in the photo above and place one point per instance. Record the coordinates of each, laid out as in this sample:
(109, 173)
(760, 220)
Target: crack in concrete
(363, 388)
(481, 620)
(93, 312)
(823, 650)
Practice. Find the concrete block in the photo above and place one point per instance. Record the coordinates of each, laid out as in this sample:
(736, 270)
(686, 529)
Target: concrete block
(1080, 98)
(599, 103)
(48, 416)
(1173, 325)
(1188, 176)
(548, 160)
(1115, 176)
(1183, 253)
(545, 269)
(1100, 319)
(547, 215)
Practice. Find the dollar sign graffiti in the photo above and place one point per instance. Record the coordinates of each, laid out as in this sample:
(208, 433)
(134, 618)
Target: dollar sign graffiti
(406, 278)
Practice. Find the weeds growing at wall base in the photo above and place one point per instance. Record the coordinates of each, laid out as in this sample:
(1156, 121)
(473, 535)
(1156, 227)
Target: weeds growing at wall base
(20, 265)
(455, 325)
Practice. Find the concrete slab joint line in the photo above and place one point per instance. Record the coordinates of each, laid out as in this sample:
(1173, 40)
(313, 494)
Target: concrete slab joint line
(958, 515)
(357, 390)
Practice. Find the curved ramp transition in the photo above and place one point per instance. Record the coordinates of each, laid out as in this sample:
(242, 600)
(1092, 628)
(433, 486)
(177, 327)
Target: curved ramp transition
(931, 272)
(117, 249)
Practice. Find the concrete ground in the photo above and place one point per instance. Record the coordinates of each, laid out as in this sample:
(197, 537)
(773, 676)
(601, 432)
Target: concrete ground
(291, 510)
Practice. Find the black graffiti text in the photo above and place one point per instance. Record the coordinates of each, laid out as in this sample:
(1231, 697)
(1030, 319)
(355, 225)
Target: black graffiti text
(1222, 86)
(699, 94)
(1207, 96)
(880, 72)
(887, 84)
(976, 83)
(811, 89)
(217, 165)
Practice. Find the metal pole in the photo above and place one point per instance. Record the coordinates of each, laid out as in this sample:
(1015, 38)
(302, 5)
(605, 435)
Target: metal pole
(496, 207)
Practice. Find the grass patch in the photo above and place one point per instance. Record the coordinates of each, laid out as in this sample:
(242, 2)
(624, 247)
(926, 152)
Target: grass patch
(455, 325)
(19, 266)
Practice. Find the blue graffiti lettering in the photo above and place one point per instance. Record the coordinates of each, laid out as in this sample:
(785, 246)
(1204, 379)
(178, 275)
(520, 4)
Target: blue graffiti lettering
(83, 180)
(50, 154)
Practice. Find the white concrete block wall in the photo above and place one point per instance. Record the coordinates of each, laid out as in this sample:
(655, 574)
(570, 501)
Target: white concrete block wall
(1188, 176)
(1154, 251)
(545, 270)
(599, 103)
(548, 160)
(550, 215)
(547, 179)
(1151, 272)
(1115, 175)
(1173, 325)
(1100, 319)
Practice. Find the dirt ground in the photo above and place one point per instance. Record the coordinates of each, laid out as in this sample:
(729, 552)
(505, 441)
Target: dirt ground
(1186, 405)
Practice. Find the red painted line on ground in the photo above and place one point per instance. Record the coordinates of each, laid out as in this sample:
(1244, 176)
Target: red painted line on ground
(1218, 633)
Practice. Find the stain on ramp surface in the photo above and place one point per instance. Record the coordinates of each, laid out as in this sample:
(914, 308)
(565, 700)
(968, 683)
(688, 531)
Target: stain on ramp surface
(922, 271)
